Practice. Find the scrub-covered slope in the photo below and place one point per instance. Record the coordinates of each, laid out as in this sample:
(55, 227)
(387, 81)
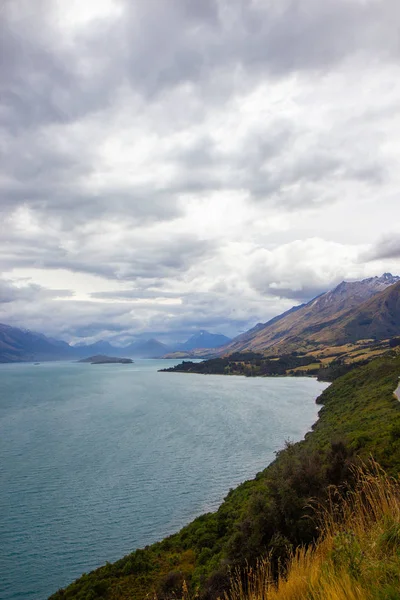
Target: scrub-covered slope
(360, 415)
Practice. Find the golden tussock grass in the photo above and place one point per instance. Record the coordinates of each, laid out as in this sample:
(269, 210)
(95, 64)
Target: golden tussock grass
(356, 558)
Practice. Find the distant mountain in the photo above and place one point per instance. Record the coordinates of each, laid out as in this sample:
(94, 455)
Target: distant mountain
(368, 309)
(101, 348)
(140, 349)
(19, 345)
(203, 339)
(148, 349)
(327, 319)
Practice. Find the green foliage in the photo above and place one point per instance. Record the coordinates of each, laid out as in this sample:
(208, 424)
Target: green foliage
(249, 364)
(347, 553)
(271, 513)
(338, 368)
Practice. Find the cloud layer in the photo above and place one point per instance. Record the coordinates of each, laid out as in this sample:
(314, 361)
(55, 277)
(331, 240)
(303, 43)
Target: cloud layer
(170, 166)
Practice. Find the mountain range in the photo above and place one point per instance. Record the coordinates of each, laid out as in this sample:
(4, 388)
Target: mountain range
(20, 345)
(17, 345)
(352, 311)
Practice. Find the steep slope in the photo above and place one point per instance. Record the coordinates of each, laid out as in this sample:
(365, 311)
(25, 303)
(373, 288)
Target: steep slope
(378, 318)
(313, 323)
(18, 345)
(264, 516)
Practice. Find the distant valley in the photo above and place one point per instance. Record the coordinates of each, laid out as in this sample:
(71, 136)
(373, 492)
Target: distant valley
(354, 319)
(20, 345)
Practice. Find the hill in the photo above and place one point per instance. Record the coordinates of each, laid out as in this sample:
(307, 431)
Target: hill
(100, 359)
(360, 416)
(148, 349)
(202, 344)
(19, 345)
(332, 318)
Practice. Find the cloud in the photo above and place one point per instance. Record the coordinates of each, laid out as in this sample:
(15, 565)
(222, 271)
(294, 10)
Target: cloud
(302, 269)
(388, 247)
(28, 292)
(168, 166)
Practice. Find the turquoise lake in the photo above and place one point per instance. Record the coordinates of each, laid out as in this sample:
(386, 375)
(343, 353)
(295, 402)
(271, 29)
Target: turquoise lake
(97, 460)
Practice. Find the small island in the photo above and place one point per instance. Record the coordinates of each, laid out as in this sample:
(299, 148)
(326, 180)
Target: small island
(100, 359)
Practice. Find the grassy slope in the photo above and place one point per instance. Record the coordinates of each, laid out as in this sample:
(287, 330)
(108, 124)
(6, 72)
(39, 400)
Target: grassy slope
(266, 513)
(357, 556)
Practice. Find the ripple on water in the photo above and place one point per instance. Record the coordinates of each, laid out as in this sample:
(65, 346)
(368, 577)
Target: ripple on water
(97, 463)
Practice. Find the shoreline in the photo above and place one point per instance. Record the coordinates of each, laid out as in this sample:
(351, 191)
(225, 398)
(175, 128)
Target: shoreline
(343, 397)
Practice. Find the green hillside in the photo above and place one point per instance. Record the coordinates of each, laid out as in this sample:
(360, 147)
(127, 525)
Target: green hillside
(360, 415)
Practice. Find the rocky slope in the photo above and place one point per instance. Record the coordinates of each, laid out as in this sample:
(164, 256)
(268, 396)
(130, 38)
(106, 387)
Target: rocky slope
(331, 318)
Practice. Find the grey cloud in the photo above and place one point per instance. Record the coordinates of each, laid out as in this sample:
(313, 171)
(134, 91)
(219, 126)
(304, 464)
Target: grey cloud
(121, 322)
(9, 292)
(132, 259)
(268, 164)
(133, 294)
(159, 45)
(387, 248)
(297, 296)
(177, 67)
(43, 175)
(269, 37)
(156, 46)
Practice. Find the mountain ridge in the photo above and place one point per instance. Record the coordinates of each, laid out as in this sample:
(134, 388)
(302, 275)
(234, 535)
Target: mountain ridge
(24, 345)
(302, 325)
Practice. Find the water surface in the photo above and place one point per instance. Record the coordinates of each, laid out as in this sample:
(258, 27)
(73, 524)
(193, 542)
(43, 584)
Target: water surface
(97, 460)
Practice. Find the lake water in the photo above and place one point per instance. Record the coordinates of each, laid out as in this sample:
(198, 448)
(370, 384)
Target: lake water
(97, 460)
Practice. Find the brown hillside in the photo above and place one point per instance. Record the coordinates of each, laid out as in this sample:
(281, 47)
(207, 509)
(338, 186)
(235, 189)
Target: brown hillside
(352, 311)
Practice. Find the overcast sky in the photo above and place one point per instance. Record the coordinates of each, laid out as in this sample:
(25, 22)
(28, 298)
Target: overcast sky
(170, 165)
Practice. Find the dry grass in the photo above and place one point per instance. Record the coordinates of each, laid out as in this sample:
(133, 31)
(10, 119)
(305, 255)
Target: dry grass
(357, 557)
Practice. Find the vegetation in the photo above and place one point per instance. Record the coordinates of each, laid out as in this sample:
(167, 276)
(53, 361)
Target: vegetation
(250, 364)
(357, 556)
(269, 515)
(101, 359)
(326, 363)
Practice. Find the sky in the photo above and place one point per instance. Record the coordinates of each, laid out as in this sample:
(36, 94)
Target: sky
(174, 165)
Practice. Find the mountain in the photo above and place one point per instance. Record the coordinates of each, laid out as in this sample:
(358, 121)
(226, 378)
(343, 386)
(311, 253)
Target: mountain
(330, 318)
(18, 345)
(203, 339)
(378, 318)
(352, 311)
(141, 349)
(148, 349)
(101, 347)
